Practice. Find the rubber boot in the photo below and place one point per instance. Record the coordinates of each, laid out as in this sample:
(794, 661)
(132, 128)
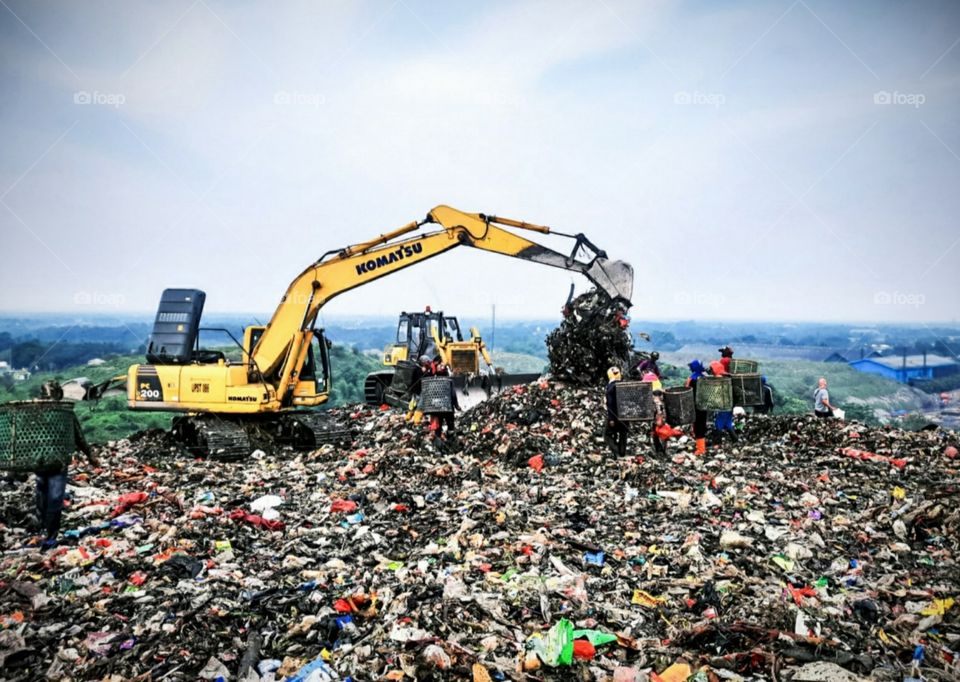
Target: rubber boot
(733, 436)
(701, 447)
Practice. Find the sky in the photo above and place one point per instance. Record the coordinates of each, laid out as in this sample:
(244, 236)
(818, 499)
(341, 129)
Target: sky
(789, 160)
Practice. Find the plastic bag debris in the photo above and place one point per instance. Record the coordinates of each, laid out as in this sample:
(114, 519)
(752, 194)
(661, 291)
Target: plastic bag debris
(779, 551)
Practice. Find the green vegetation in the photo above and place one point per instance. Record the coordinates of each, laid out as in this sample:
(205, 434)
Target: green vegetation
(350, 368)
(948, 383)
(109, 418)
(518, 363)
(794, 382)
(103, 420)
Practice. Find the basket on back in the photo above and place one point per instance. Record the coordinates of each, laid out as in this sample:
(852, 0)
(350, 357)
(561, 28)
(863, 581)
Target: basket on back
(747, 389)
(635, 401)
(738, 366)
(436, 395)
(714, 393)
(679, 404)
(36, 435)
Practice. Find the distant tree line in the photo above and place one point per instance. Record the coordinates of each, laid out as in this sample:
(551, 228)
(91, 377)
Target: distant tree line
(38, 355)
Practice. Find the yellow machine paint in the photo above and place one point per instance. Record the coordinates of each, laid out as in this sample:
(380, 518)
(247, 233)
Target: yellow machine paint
(270, 377)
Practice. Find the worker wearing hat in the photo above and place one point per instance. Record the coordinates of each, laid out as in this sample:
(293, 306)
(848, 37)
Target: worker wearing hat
(648, 365)
(723, 420)
(615, 432)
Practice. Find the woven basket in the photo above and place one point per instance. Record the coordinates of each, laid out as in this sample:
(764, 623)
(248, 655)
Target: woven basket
(714, 393)
(436, 395)
(747, 389)
(635, 401)
(743, 366)
(679, 404)
(36, 435)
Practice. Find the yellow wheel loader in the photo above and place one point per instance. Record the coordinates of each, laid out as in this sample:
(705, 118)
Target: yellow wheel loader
(283, 374)
(434, 335)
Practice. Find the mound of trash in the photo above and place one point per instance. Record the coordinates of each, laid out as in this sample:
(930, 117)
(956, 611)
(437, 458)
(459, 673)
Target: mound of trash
(812, 549)
(591, 338)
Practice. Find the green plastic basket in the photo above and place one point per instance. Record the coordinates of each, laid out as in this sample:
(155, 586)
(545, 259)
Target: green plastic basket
(747, 389)
(36, 435)
(738, 366)
(714, 393)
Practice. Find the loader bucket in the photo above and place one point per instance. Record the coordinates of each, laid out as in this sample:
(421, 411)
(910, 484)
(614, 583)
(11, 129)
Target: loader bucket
(472, 390)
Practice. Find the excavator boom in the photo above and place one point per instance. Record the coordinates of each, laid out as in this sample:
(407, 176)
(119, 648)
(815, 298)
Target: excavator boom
(284, 364)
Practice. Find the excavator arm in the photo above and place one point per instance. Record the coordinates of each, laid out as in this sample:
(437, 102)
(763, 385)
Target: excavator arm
(280, 351)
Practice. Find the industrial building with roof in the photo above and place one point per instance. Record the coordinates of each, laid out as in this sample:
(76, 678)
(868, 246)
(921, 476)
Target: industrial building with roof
(907, 368)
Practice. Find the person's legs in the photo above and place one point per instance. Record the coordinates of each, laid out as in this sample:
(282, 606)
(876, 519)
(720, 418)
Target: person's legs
(622, 433)
(611, 438)
(658, 448)
(700, 431)
(56, 489)
(40, 498)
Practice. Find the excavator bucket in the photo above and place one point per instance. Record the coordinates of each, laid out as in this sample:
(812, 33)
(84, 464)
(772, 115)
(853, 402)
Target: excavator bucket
(613, 276)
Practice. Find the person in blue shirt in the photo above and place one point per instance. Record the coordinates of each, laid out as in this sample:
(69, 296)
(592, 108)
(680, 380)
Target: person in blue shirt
(697, 370)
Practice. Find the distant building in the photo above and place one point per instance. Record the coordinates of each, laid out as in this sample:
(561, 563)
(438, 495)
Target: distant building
(95, 362)
(850, 353)
(907, 368)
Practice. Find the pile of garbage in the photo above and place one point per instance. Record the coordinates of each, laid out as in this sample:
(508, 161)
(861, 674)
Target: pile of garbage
(592, 337)
(812, 549)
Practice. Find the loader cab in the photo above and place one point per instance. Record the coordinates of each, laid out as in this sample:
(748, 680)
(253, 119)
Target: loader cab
(416, 334)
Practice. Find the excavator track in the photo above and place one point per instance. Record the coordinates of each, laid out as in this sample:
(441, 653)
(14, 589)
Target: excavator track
(213, 437)
(313, 429)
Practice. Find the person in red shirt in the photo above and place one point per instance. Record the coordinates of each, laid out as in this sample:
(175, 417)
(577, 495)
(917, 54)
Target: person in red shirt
(723, 422)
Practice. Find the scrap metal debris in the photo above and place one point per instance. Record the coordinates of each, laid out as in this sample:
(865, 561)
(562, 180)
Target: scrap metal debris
(521, 553)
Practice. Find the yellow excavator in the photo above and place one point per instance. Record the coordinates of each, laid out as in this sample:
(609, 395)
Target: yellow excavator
(284, 367)
(433, 334)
